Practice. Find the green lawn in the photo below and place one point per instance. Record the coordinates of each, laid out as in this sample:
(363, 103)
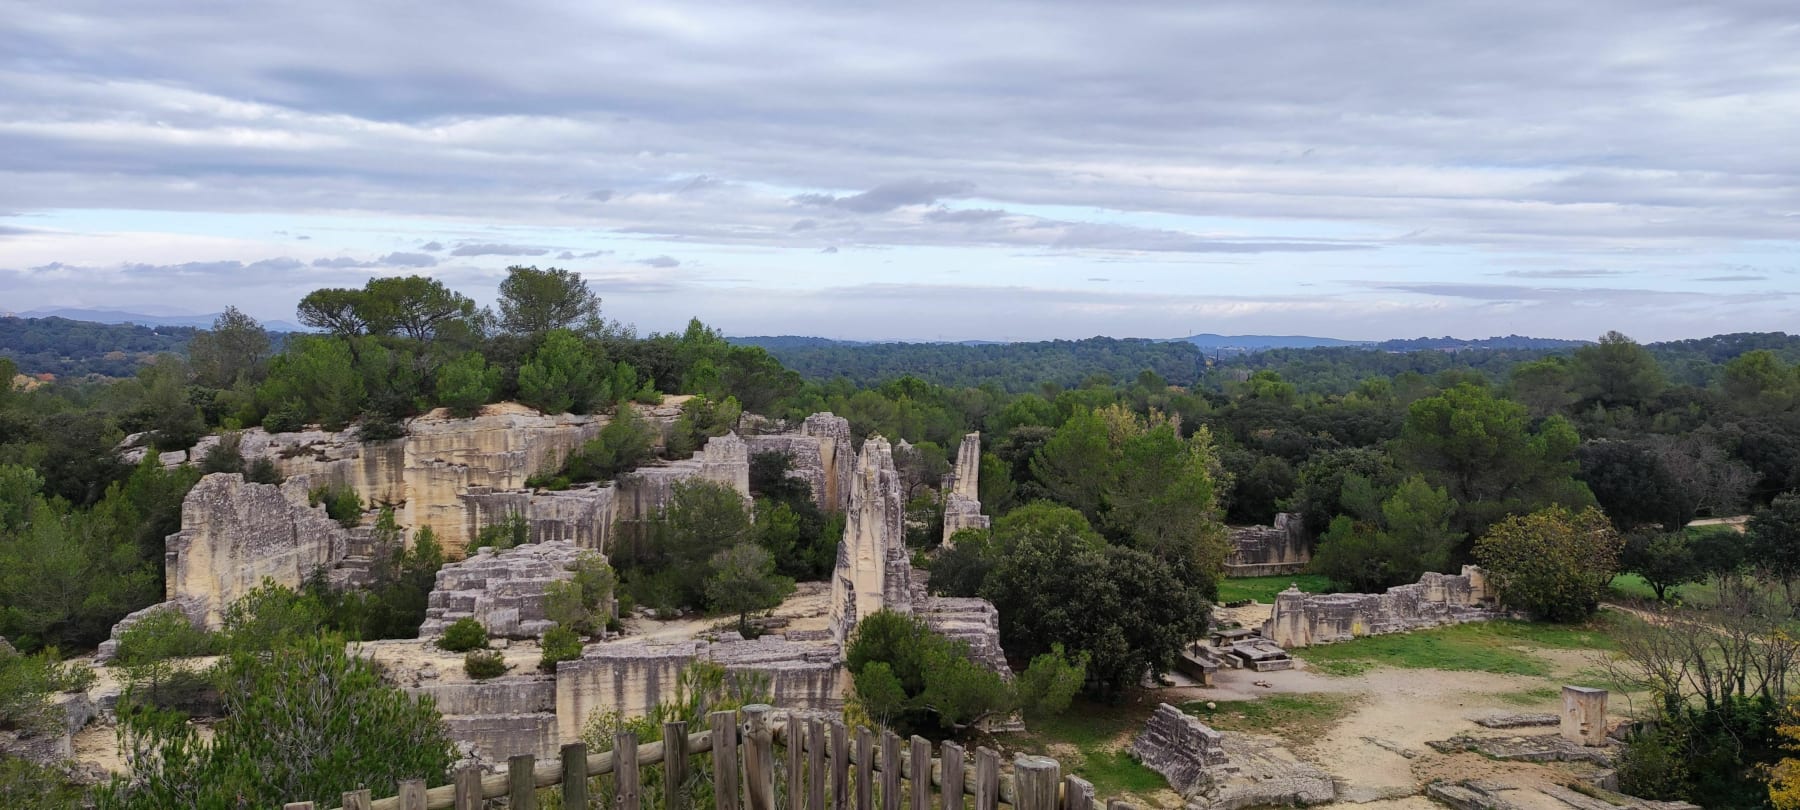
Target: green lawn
(1263, 589)
(1299, 718)
(1102, 734)
(1477, 647)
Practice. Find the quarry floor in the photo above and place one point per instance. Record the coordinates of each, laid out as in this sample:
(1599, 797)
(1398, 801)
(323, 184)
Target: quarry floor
(1391, 713)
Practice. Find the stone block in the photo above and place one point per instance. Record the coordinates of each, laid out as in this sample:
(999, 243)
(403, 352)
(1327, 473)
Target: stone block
(1584, 715)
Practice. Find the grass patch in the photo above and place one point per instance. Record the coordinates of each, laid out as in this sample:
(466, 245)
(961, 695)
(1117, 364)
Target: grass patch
(1100, 735)
(1474, 647)
(1530, 697)
(1263, 589)
(1299, 718)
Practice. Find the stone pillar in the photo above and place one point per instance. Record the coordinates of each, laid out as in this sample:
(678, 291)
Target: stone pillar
(1584, 715)
(962, 491)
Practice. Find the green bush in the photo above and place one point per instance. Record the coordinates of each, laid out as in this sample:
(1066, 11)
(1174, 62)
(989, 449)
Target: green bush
(263, 471)
(290, 417)
(514, 530)
(341, 503)
(163, 635)
(484, 664)
(560, 644)
(463, 635)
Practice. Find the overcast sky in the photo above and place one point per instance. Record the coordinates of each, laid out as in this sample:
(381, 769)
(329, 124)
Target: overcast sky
(923, 170)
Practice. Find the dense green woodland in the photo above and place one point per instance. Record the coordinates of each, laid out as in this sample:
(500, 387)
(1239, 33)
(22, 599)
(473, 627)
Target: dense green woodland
(1109, 472)
(69, 348)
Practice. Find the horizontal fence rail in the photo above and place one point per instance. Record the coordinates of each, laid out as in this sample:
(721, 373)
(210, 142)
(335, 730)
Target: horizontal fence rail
(827, 767)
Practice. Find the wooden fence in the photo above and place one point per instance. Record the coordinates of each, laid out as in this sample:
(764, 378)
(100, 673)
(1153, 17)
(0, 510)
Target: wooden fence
(827, 768)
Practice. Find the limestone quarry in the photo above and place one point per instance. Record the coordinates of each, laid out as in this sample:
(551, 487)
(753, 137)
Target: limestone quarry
(458, 475)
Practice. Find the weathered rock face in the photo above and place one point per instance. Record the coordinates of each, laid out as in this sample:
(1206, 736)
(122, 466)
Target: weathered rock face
(821, 454)
(962, 490)
(646, 491)
(1179, 747)
(633, 678)
(873, 570)
(502, 590)
(1218, 771)
(502, 717)
(1260, 551)
(235, 534)
(1301, 619)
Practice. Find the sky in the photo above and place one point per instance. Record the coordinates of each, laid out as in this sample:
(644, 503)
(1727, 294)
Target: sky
(922, 170)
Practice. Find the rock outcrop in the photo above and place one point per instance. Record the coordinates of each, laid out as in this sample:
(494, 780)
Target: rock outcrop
(503, 590)
(1260, 551)
(962, 491)
(873, 570)
(235, 534)
(821, 454)
(1224, 771)
(1302, 619)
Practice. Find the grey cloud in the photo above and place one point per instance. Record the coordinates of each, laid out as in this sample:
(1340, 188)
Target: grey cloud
(663, 262)
(13, 230)
(889, 196)
(942, 214)
(341, 262)
(804, 225)
(497, 250)
(601, 195)
(432, 246)
(830, 249)
(1571, 272)
(1733, 278)
(408, 260)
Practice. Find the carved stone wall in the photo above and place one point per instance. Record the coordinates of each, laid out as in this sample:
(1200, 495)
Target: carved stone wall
(1302, 619)
(820, 453)
(1259, 551)
(1179, 747)
(235, 534)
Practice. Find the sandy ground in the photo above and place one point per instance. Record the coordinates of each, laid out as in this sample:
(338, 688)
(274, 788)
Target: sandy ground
(808, 609)
(1397, 711)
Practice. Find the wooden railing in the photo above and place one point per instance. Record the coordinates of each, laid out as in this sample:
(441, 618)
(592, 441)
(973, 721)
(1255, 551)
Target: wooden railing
(827, 768)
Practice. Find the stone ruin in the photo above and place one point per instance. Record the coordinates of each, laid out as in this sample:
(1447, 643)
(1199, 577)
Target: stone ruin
(504, 590)
(1303, 619)
(1260, 551)
(820, 453)
(962, 491)
(1215, 770)
(1583, 719)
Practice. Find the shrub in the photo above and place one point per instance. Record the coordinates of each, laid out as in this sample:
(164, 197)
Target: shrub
(341, 503)
(1554, 563)
(289, 417)
(263, 471)
(163, 635)
(379, 427)
(514, 530)
(560, 644)
(226, 456)
(463, 635)
(484, 664)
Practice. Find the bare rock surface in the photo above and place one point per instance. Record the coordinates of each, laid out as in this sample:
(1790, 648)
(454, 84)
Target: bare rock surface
(503, 590)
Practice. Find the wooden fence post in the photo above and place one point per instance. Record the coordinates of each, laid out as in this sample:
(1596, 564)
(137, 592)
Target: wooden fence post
(1078, 793)
(815, 764)
(865, 769)
(412, 794)
(759, 757)
(521, 783)
(675, 765)
(987, 778)
(625, 770)
(796, 758)
(952, 756)
(919, 773)
(574, 778)
(725, 760)
(890, 771)
(840, 766)
(1034, 783)
(360, 799)
(468, 789)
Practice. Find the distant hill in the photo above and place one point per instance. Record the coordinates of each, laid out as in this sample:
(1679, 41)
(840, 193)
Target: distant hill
(66, 347)
(1254, 343)
(1459, 344)
(1012, 366)
(109, 316)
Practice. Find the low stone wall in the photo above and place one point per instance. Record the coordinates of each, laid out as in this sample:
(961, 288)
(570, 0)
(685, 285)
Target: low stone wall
(1260, 551)
(1302, 619)
(502, 717)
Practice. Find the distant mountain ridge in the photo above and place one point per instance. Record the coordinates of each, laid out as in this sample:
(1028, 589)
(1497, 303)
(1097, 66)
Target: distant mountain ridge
(115, 317)
(1207, 341)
